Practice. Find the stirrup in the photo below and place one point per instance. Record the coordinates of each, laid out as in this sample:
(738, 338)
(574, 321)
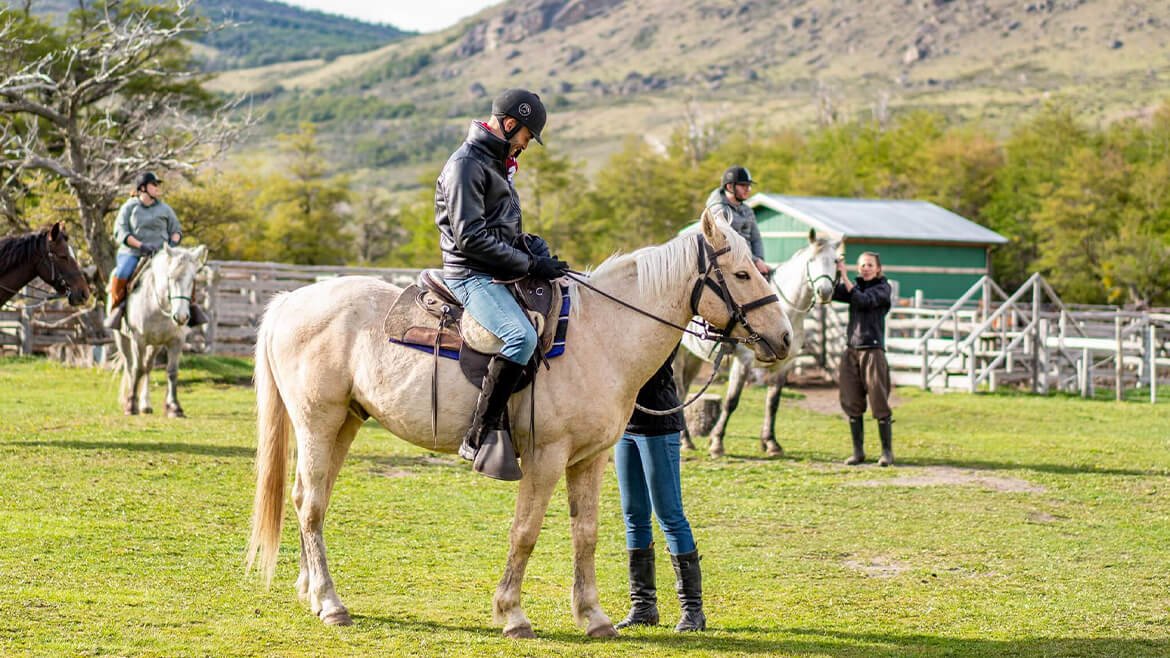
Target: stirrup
(496, 458)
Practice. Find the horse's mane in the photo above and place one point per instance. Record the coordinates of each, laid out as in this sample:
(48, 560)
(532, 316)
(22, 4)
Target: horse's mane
(661, 266)
(19, 249)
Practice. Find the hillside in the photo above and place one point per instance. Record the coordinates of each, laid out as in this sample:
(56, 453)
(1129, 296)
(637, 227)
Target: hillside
(613, 68)
(266, 32)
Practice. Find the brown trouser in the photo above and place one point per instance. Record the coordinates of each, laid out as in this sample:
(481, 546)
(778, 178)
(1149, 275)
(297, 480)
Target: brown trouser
(862, 375)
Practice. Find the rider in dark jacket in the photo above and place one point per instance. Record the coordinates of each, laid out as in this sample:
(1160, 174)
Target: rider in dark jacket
(478, 216)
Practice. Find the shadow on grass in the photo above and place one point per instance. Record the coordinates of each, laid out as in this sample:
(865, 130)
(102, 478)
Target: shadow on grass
(809, 640)
(143, 446)
(1060, 469)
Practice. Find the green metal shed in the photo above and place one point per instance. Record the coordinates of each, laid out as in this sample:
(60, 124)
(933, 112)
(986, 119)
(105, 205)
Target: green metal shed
(922, 246)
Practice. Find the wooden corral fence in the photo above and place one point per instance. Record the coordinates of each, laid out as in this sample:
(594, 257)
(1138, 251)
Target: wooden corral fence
(234, 293)
(1029, 338)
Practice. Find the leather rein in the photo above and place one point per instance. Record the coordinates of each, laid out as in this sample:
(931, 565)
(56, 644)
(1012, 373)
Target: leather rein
(712, 278)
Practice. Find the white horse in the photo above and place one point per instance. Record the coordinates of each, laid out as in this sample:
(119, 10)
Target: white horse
(156, 316)
(322, 358)
(804, 280)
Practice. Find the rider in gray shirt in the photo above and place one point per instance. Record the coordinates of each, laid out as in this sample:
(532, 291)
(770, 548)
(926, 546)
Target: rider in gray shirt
(734, 190)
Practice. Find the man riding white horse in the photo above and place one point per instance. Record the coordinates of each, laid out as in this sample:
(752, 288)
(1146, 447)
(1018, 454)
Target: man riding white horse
(734, 189)
(144, 224)
(477, 212)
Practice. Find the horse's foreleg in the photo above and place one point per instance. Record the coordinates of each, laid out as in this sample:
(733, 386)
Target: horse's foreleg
(768, 433)
(149, 354)
(322, 443)
(735, 382)
(583, 481)
(174, 351)
(540, 478)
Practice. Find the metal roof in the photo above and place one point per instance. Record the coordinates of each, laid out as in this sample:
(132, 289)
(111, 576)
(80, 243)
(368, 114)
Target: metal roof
(919, 221)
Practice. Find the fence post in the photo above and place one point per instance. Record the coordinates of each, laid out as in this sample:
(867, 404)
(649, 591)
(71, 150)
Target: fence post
(971, 366)
(1153, 363)
(1042, 357)
(1086, 371)
(1117, 359)
(212, 307)
(26, 331)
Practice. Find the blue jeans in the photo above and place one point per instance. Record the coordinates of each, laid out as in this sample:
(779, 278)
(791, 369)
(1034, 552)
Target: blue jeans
(648, 478)
(125, 265)
(492, 305)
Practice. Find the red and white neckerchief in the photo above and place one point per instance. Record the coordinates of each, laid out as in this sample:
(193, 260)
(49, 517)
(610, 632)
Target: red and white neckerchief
(512, 165)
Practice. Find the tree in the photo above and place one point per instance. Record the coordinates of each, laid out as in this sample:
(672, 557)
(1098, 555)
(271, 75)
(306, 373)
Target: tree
(111, 93)
(305, 211)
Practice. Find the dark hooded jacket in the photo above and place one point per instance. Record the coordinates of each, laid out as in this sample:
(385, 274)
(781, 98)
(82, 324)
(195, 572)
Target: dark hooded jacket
(477, 211)
(869, 302)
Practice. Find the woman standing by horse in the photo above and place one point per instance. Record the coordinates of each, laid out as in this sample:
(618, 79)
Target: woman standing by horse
(863, 373)
(646, 461)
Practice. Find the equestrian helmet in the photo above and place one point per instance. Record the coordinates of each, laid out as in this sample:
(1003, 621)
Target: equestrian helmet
(737, 176)
(525, 107)
(145, 178)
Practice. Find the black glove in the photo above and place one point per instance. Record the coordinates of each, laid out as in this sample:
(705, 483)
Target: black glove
(149, 248)
(544, 267)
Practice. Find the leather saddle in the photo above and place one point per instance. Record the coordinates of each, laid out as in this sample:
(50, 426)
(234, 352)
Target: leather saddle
(427, 314)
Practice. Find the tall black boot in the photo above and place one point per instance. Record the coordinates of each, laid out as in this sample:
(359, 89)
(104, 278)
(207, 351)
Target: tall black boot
(857, 429)
(197, 316)
(886, 432)
(689, 583)
(643, 591)
(488, 443)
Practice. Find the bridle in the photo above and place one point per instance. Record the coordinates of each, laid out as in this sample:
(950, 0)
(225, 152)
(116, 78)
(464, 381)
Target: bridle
(58, 278)
(712, 278)
(166, 305)
(812, 284)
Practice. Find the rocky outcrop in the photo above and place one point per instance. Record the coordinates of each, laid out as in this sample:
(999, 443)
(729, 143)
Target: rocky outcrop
(521, 20)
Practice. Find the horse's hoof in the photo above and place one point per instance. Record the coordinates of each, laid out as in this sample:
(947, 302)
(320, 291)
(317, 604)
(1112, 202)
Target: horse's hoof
(130, 411)
(147, 410)
(175, 411)
(716, 452)
(337, 618)
(687, 444)
(772, 448)
(604, 630)
(521, 632)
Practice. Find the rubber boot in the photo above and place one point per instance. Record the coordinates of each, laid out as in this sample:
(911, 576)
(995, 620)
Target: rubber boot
(115, 306)
(488, 443)
(857, 429)
(886, 432)
(643, 590)
(197, 316)
(689, 583)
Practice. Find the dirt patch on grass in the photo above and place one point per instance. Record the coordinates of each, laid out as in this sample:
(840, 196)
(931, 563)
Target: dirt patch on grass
(823, 399)
(877, 567)
(934, 476)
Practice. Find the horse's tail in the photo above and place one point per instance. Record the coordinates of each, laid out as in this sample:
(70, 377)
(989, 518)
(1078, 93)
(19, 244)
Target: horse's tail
(273, 427)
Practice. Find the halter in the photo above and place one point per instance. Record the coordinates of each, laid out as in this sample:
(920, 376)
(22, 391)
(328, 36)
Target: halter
(166, 305)
(812, 284)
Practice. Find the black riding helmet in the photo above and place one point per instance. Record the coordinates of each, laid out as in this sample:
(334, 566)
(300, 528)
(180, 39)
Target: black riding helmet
(737, 175)
(525, 107)
(144, 179)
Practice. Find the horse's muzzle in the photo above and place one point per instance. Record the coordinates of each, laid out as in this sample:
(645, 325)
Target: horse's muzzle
(77, 297)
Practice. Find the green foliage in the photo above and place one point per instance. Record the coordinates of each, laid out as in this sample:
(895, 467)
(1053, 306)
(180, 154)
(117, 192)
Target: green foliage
(300, 107)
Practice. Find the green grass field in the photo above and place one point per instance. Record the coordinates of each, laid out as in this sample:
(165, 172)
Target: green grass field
(1014, 525)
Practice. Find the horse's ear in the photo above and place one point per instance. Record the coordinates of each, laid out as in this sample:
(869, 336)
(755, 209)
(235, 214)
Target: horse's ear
(711, 230)
(201, 254)
(55, 232)
(812, 236)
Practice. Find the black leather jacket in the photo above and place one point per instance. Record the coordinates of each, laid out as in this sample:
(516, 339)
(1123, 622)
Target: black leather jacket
(658, 393)
(869, 302)
(477, 211)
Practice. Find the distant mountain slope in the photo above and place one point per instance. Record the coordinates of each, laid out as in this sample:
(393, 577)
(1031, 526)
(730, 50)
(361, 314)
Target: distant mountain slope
(266, 33)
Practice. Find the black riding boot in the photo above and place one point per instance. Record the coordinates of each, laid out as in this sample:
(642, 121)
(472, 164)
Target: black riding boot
(197, 316)
(886, 432)
(857, 429)
(643, 591)
(689, 583)
(487, 442)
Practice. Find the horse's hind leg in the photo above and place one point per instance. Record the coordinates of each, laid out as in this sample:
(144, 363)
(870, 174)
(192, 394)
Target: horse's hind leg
(127, 396)
(768, 442)
(536, 488)
(735, 381)
(174, 351)
(583, 481)
(322, 443)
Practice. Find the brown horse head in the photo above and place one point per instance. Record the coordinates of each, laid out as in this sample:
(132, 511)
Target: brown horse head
(59, 268)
